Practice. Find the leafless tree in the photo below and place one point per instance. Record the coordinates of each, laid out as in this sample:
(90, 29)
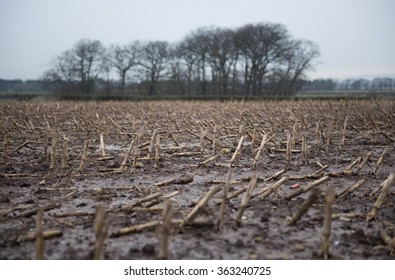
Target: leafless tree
(154, 56)
(79, 67)
(123, 58)
(222, 56)
(195, 53)
(297, 60)
(261, 46)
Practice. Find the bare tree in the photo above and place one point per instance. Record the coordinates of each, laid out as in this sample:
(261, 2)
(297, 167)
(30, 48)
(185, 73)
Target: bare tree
(261, 46)
(222, 56)
(78, 68)
(195, 53)
(87, 62)
(187, 57)
(153, 59)
(297, 60)
(123, 58)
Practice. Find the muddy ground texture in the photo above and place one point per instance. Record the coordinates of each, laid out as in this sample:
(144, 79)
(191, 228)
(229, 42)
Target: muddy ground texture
(67, 158)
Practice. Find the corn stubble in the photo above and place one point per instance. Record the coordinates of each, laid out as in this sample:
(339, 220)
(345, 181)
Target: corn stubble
(282, 146)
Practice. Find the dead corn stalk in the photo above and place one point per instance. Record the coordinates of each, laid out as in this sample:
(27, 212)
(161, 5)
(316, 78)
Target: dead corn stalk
(53, 154)
(351, 189)
(380, 160)
(378, 188)
(5, 146)
(46, 235)
(45, 144)
(258, 153)
(202, 135)
(135, 149)
(180, 180)
(273, 188)
(288, 151)
(213, 158)
(316, 133)
(102, 147)
(33, 211)
(157, 146)
(365, 159)
(326, 230)
(236, 193)
(351, 165)
(100, 232)
(64, 155)
(275, 175)
(84, 155)
(246, 199)
(314, 194)
(39, 235)
(308, 187)
(133, 229)
(174, 139)
(126, 158)
(160, 199)
(151, 145)
(343, 140)
(142, 200)
(202, 203)
(237, 150)
(164, 231)
(221, 210)
(293, 136)
(379, 202)
(214, 139)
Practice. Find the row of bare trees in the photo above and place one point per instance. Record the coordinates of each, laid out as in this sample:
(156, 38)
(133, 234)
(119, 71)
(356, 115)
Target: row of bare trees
(253, 60)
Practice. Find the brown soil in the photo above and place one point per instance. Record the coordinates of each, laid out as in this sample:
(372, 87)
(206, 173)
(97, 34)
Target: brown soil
(70, 195)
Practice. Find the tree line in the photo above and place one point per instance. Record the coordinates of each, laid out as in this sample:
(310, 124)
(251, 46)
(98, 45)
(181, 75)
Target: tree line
(376, 84)
(379, 83)
(260, 59)
(20, 86)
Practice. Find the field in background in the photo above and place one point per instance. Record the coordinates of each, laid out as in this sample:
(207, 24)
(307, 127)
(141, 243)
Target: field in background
(284, 179)
(349, 94)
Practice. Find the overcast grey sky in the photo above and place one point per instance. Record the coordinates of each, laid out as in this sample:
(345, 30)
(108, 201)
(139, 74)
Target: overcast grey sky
(356, 37)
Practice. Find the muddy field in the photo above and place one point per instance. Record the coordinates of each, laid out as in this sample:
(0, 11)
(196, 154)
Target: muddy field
(197, 180)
